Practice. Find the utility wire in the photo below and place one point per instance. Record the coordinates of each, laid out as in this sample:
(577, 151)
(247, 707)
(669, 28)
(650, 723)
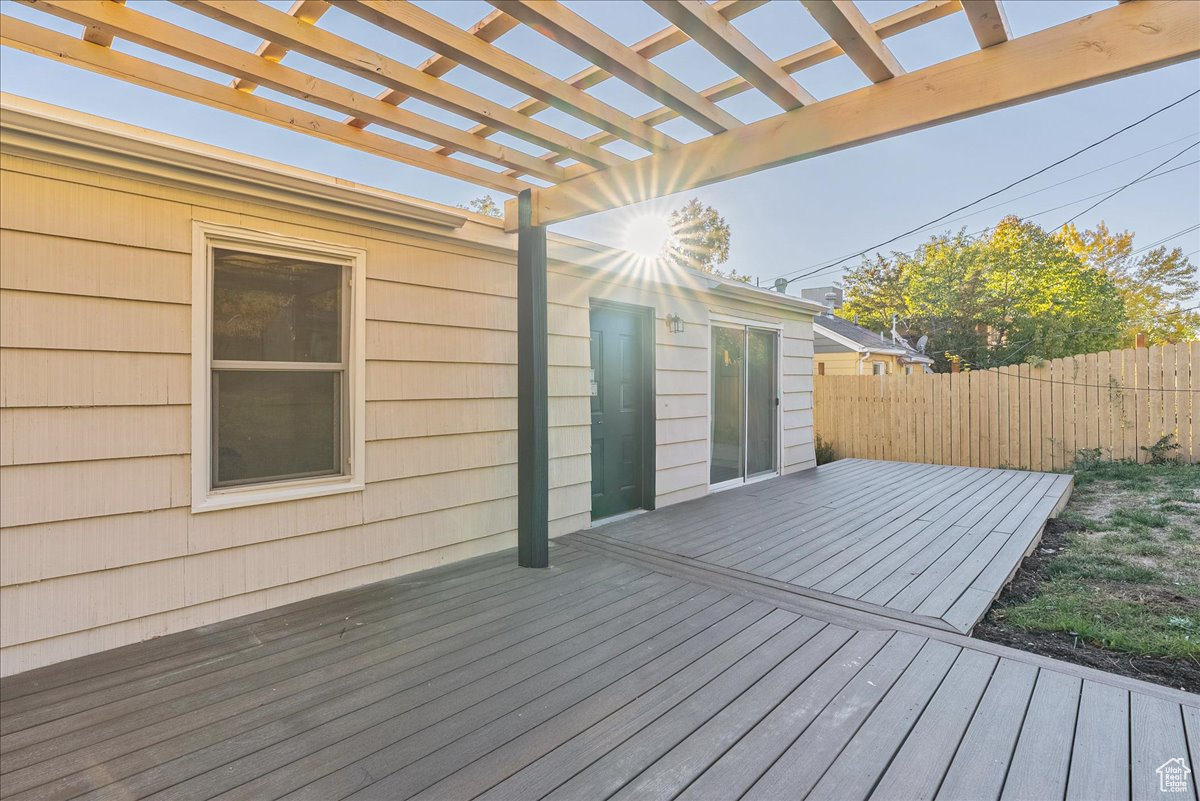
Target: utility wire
(1069, 180)
(1126, 186)
(836, 264)
(1165, 239)
(1025, 178)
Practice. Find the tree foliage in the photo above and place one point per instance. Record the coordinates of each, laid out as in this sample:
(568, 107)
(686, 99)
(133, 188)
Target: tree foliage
(1013, 294)
(484, 204)
(700, 239)
(1156, 285)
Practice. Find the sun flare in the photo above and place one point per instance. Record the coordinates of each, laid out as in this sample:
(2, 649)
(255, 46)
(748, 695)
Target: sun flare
(647, 235)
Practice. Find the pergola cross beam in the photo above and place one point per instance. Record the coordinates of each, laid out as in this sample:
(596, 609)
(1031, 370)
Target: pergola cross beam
(717, 35)
(277, 26)
(157, 34)
(988, 21)
(1119, 41)
(582, 173)
(653, 45)
(50, 44)
(892, 25)
(308, 11)
(566, 27)
(846, 25)
(430, 31)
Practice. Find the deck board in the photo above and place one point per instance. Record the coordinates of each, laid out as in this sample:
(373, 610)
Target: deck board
(933, 540)
(613, 674)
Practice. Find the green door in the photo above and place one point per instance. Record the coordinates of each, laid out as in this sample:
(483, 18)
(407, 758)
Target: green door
(618, 401)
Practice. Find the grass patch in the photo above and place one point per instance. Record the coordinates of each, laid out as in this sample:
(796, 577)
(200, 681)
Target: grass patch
(1128, 576)
(1111, 617)
(1131, 518)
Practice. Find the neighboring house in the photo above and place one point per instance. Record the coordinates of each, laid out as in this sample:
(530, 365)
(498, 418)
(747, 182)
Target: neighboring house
(842, 348)
(229, 384)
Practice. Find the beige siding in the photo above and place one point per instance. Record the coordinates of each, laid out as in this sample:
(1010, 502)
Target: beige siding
(847, 363)
(100, 547)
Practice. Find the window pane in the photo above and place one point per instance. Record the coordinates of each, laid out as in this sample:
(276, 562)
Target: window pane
(728, 391)
(272, 308)
(761, 411)
(272, 425)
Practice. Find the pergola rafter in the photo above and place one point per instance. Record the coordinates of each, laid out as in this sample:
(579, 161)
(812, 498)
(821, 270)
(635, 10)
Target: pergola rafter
(278, 27)
(988, 22)
(846, 25)
(304, 10)
(429, 30)
(583, 173)
(566, 27)
(718, 36)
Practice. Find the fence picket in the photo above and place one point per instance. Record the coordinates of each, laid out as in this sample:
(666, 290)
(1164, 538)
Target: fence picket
(1019, 416)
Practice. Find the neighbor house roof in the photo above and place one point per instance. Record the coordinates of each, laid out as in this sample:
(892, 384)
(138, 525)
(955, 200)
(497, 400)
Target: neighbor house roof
(841, 335)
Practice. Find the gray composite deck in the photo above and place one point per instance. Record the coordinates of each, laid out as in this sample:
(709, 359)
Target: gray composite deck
(919, 540)
(616, 673)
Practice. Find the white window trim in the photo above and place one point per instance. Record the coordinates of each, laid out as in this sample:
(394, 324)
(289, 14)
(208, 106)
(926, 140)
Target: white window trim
(204, 498)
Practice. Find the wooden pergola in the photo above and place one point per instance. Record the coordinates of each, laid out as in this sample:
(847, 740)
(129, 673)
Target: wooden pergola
(576, 175)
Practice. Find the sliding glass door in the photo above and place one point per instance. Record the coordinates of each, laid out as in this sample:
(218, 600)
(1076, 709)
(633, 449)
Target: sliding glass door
(745, 407)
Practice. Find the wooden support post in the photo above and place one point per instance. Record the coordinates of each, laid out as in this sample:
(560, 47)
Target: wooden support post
(533, 463)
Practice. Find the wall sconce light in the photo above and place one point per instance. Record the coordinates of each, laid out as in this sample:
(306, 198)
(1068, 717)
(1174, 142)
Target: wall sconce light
(674, 323)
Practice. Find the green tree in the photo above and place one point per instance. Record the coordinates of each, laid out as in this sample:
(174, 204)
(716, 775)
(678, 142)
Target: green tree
(1001, 298)
(700, 239)
(1156, 285)
(484, 204)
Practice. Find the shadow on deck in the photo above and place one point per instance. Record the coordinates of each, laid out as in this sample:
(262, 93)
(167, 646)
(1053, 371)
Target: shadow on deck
(613, 674)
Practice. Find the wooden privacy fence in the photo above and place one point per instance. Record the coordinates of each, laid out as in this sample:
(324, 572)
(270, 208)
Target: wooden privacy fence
(1037, 418)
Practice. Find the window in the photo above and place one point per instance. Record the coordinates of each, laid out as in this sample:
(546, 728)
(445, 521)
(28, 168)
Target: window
(277, 369)
(879, 368)
(908, 369)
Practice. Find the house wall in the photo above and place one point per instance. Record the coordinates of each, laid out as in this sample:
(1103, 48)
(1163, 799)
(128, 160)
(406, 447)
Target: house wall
(98, 544)
(846, 363)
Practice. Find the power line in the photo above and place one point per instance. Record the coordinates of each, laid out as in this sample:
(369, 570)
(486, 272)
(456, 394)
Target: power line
(1072, 178)
(1165, 239)
(1126, 186)
(835, 265)
(1025, 178)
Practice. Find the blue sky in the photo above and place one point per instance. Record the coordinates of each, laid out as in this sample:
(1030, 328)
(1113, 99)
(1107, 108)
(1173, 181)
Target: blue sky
(784, 220)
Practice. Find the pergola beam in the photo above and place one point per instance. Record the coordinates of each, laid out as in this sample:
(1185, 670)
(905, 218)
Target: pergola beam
(428, 30)
(988, 22)
(564, 26)
(99, 37)
(717, 35)
(173, 40)
(40, 41)
(308, 11)
(846, 25)
(488, 29)
(276, 26)
(1113, 43)
(901, 21)
(651, 46)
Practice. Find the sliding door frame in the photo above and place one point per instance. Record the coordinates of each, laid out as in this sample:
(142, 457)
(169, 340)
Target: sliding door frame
(726, 321)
